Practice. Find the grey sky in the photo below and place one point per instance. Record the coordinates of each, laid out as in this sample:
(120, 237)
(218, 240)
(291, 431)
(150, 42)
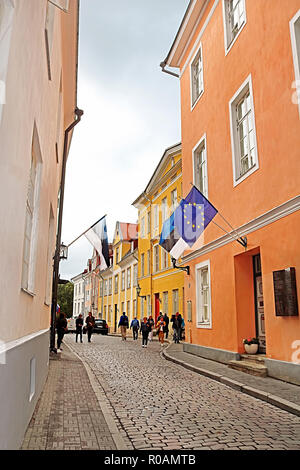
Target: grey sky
(132, 114)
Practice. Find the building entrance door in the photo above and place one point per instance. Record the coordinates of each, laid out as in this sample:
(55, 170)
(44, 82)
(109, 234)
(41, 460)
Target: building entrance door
(157, 307)
(259, 304)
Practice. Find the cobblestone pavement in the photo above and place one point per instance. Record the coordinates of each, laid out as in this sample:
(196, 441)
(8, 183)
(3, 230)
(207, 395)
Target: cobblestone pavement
(68, 415)
(160, 405)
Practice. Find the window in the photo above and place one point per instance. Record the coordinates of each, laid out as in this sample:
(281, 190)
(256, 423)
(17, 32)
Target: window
(105, 312)
(116, 283)
(164, 259)
(174, 202)
(143, 227)
(200, 166)
(128, 278)
(134, 308)
(156, 217)
(128, 308)
(6, 24)
(203, 301)
(197, 86)
(149, 262)
(101, 288)
(165, 303)
(117, 255)
(109, 312)
(62, 4)
(175, 301)
(105, 287)
(31, 216)
(164, 209)
(149, 221)
(135, 274)
(123, 307)
(234, 13)
(110, 286)
(123, 280)
(243, 135)
(156, 258)
(142, 308)
(142, 264)
(295, 38)
(148, 305)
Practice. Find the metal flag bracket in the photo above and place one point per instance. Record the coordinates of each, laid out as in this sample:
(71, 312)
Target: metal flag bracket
(183, 268)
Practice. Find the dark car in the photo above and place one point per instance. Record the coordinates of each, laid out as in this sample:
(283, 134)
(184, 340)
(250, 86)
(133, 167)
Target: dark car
(100, 327)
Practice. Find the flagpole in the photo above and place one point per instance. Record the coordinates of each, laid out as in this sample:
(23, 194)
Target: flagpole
(86, 231)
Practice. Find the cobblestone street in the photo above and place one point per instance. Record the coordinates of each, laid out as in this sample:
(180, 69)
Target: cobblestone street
(160, 405)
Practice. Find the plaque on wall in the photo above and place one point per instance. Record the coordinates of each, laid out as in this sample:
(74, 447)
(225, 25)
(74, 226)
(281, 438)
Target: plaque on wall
(285, 290)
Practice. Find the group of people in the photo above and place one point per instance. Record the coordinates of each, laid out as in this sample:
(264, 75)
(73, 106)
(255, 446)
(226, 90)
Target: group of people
(146, 328)
(62, 328)
(148, 325)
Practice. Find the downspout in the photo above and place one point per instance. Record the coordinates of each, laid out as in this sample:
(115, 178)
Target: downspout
(151, 252)
(56, 257)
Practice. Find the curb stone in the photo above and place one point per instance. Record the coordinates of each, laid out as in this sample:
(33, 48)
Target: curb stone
(254, 392)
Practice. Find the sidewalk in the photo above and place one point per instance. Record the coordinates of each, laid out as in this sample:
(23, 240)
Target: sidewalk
(68, 415)
(276, 392)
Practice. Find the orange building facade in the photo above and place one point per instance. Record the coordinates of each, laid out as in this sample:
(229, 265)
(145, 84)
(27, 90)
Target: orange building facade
(238, 64)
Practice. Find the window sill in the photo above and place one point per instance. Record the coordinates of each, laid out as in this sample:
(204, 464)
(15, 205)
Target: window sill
(241, 178)
(32, 294)
(206, 326)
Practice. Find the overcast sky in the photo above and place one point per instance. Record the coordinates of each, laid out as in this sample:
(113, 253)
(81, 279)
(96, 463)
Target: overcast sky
(131, 114)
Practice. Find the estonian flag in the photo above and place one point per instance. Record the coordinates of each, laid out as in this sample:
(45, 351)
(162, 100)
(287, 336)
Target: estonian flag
(97, 236)
(187, 223)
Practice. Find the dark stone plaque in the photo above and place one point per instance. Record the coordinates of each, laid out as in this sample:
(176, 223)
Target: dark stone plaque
(285, 290)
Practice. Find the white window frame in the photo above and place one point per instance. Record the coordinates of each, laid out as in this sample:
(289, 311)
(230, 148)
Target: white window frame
(174, 199)
(295, 40)
(123, 280)
(227, 42)
(110, 286)
(175, 300)
(156, 218)
(164, 209)
(201, 143)
(199, 305)
(166, 302)
(143, 227)
(194, 100)
(61, 4)
(135, 275)
(128, 278)
(236, 157)
(142, 264)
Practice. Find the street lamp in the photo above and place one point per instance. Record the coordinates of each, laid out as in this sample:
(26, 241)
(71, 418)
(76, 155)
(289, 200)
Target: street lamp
(63, 251)
(138, 291)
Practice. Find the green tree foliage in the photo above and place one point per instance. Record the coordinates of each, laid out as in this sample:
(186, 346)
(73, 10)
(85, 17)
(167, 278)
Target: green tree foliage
(65, 298)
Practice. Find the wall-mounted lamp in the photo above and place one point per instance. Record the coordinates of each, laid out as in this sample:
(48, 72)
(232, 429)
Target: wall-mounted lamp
(138, 291)
(63, 251)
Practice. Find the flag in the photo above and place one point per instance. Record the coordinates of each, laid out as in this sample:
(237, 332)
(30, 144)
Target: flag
(187, 223)
(97, 236)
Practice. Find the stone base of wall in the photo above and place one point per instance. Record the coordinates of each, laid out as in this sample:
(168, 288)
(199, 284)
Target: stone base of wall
(287, 371)
(219, 355)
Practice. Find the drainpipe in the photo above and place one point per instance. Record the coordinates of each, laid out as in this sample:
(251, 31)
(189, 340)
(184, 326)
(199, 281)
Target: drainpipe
(56, 257)
(151, 252)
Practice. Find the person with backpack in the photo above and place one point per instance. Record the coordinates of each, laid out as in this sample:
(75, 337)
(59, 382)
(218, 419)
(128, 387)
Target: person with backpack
(135, 325)
(123, 325)
(62, 327)
(90, 323)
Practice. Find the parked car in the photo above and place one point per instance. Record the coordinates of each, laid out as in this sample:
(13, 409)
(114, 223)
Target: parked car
(101, 327)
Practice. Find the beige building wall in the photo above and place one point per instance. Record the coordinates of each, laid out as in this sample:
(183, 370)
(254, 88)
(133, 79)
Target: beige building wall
(40, 79)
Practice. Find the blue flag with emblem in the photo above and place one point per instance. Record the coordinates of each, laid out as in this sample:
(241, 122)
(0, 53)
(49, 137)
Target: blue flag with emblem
(187, 223)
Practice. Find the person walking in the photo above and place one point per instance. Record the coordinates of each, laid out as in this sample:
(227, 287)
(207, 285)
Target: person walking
(79, 325)
(161, 331)
(166, 320)
(151, 323)
(61, 327)
(123, 324)
(135, 325)
(90, 323)
(145, 329)
(176, 320)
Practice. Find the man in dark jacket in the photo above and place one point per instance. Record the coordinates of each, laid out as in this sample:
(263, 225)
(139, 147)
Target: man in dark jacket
(166, 328)
(79, 325)
(61, 326)
(177, 321)
(90, 323)
(135, 324)
(123, 324)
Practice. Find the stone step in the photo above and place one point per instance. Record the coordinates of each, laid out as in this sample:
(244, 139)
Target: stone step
(249, 367)
(258, 358)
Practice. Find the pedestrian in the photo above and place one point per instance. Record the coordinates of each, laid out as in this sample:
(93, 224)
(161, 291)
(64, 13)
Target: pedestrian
(161, 331)
(145, 330)
(182, 329)
(166, 320)
(123, 324)
(151, 323)
(79, 325)
(61, 327)
(176, 320)
(135, 325)
(160, 316)
(90, 323)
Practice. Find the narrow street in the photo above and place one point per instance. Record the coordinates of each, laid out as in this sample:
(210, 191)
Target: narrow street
(156, 404)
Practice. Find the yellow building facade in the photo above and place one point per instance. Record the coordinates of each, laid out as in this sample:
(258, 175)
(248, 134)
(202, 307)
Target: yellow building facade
(117, 284)
(161, 286)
